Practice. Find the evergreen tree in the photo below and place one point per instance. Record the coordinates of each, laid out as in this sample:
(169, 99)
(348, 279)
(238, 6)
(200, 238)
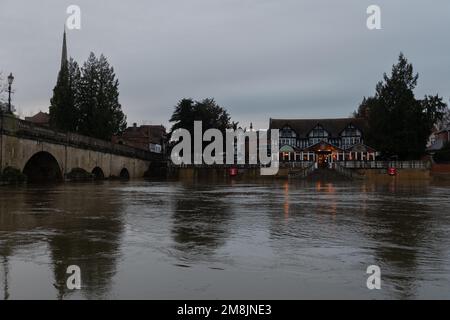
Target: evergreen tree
(398, 123)
(63, 105)
(183, 115)
(363, 109)
(101, 114)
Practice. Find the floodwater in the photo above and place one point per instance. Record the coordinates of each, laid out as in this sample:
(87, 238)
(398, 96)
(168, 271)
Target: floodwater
(225, 240)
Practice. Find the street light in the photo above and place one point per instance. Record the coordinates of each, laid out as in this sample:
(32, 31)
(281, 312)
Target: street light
(10, 82)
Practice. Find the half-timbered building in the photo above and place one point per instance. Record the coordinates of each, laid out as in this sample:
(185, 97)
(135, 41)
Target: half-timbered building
(323, 141)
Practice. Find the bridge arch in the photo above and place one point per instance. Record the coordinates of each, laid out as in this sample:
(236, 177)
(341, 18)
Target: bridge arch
(98, 173)
(43, 167)
(124, 174)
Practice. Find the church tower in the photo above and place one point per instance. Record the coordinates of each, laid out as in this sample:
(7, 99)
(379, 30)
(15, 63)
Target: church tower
(64, 50)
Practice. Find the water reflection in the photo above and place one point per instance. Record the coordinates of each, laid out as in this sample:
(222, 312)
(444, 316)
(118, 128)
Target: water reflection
(239, 239)
(400, 225)
(286, 200)
(201, 218)
(81, 226)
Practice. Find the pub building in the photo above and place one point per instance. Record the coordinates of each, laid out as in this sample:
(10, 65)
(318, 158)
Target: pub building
(322, 141)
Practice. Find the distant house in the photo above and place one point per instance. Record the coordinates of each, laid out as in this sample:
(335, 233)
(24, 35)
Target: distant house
(441, 138)
(146, 137)
(40, 118)
(432, 138)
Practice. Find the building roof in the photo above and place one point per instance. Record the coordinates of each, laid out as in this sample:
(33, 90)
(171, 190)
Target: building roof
(40, 118)
(360, 147)
(153, 133)
(323, 145)
(303, 126)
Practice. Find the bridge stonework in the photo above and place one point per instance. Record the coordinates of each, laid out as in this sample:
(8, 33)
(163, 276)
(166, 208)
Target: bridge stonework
(21, 140)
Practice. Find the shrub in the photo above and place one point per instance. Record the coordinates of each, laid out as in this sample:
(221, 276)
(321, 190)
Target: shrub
(78, 174)
(12, 175)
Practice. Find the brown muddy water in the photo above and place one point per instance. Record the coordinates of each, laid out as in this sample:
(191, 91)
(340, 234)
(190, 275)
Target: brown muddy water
(225, 240)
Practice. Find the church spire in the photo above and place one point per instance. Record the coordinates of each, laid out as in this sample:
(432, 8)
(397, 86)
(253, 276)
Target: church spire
(64, 50)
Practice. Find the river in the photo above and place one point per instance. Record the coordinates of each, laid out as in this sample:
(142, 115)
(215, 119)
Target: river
(225, 240)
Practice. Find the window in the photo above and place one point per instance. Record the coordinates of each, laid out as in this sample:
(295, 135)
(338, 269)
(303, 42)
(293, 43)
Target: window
(288, 136)
(155, 148)
(351, 131)
(351, 136)
(317, 135)
(319, 132)
(287, 132)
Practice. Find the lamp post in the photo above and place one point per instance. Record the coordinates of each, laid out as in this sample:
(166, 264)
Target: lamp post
(10, 82)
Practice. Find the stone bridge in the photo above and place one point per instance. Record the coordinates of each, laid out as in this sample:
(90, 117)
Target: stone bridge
(45, 154)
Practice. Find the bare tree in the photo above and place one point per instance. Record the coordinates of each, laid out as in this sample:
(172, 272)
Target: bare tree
(445, 122)
(2, 87)
(2, 93)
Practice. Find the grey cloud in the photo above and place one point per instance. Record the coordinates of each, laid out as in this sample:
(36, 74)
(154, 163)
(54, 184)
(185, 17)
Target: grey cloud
(258, 58)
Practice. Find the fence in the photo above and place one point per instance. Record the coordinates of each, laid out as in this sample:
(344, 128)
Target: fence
(303, 172)
(346, 172)
(415, 164)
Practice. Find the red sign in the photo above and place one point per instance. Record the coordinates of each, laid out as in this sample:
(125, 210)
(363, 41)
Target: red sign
(392, 171)
(233, 172)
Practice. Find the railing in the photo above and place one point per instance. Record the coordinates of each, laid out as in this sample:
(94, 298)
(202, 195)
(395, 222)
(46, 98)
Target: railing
(349, 173)
(303, 172)
(415, 164)
(296, 165)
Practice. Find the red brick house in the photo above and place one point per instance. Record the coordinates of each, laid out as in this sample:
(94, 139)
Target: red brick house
(146, 137)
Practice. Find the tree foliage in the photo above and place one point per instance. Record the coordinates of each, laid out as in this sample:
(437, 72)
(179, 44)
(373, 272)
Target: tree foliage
(398, 123)
(208, 111)
(86, 100)
(3, 91)
(101, 114)
(64, 111)
(2, 88)
(444, 123)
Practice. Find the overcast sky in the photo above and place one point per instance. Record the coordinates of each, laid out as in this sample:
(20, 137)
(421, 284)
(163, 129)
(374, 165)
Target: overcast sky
(257, 58)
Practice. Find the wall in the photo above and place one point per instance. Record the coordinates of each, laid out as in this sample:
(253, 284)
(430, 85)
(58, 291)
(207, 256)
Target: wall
(441, 171)
(402, 174)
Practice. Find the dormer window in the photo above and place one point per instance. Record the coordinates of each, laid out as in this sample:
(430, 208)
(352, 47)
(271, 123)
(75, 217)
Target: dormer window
(350, 136)
(287, 132)
(351, 131)
(288, 136)
(319, 132)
